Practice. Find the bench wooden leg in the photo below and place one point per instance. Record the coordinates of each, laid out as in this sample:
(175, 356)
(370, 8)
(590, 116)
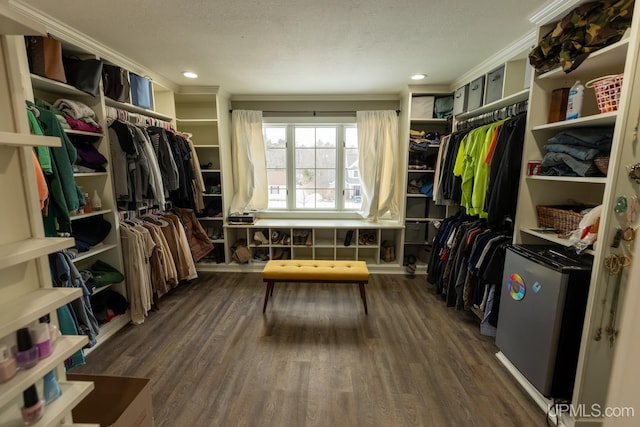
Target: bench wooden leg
(363, 294)
(266, 295)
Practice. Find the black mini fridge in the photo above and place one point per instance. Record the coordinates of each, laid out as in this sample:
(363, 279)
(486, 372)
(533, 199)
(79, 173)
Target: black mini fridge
(542, 305)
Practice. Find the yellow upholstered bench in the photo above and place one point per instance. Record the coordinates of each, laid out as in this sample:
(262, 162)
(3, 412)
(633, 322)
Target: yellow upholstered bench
(315, 271)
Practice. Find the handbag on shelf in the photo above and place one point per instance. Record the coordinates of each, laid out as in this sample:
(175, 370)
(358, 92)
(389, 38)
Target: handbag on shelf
(84, 74)
(140, 91)
(115, 83)
(45, 57)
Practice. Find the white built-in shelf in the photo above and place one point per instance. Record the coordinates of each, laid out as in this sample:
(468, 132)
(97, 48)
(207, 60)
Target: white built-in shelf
(72, 394)
(495, 105)
(598, 62)
(24, 250)
(421, 170)
(211, 195)
(59, 88)
(136, 110)
(210, 171)
(423, 243)
(585, 179)
(87, 215)
(196, 122)
(216, 240)
(207, 146)
(429, 121)
(324, 244)
(425, 219)
(20, 311)
(108, 329)
(553, 237)
(319, 223)
(88, 174)
(95, 250)
(211, 218)
(604, 119)
(28, 140)
(63, 348)
(417, 195)
(82, 132)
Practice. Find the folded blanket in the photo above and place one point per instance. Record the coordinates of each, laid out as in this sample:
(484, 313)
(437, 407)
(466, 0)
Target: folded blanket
(77, 110)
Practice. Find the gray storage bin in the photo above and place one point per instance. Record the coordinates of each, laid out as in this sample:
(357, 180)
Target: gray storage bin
(476, 90)
(415, 232)
(460, 98)
(495, 83)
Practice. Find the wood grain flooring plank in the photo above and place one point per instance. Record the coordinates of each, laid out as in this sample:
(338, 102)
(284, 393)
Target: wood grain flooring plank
(314, 358)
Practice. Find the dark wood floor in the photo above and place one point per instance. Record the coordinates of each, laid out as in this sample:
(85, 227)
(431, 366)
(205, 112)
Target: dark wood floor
(314, 358)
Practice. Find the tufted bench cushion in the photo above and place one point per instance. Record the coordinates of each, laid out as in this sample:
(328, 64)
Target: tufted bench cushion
(315, 271)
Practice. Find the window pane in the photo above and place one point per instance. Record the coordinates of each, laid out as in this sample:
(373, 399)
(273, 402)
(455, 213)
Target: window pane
(351, 137)
(325, 137)
(276, 158)
(352, 198)
(305, 137)
(275, 137)
(306, 178)
(325, 158)
(327, 199)
(305, 158)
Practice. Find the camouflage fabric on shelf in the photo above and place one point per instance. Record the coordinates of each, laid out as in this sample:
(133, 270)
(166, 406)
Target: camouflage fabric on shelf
(585, 29)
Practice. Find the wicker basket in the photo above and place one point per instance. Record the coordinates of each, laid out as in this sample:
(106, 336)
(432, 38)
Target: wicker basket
(602, 163)
(607, 91)
(565, 218)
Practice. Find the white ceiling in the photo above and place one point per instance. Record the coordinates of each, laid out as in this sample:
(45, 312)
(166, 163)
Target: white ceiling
(282, 47)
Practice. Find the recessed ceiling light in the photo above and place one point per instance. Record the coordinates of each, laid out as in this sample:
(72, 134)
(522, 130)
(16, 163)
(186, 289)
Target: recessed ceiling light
(190, 75)
(418, 76)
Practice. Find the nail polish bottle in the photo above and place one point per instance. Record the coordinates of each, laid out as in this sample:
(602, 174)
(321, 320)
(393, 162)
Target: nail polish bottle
(8, 365)
(33, 408)
(53, 329)
(51, 389)
(26, 354)
(41, 339)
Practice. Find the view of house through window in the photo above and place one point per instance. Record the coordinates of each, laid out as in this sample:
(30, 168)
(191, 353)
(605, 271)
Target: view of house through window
(312, 167)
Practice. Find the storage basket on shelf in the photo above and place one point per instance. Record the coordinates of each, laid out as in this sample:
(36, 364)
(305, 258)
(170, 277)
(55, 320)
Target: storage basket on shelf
(564, 218)
(607, 91)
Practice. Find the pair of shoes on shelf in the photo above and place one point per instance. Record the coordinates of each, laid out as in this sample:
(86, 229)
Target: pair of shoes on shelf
(260, 239)
(388, 251)
(302, 237)
(366, 238)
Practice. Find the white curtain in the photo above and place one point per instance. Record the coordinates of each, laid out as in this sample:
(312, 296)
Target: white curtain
(378, 154)
(249, 162)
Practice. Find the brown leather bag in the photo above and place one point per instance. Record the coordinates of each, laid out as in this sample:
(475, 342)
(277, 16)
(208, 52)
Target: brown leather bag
(45, 57)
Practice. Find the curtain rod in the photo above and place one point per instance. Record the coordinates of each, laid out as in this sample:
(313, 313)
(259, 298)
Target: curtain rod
(311, 112)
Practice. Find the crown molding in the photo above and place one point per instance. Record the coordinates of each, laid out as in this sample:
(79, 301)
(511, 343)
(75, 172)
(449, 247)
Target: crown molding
(518, 48)
(553, 10)
(82, 41)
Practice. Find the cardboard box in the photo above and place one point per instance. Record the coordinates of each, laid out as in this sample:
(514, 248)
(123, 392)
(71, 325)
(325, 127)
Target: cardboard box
(115, 401)
(422, 107)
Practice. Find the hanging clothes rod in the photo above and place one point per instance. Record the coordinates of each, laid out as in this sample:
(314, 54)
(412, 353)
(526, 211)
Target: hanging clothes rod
(114, 113)
(494, 116)
(310, 112)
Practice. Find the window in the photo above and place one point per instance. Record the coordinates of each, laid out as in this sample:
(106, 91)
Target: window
(312, 167)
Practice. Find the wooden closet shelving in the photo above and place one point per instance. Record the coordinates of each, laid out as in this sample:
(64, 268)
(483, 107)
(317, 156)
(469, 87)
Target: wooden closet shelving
(25, 288)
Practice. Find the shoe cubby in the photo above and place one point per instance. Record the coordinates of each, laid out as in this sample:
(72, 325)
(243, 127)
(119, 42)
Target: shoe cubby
(368, 237)
(346, 237)
(324, 253)
(269, 240)
(324, 237)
